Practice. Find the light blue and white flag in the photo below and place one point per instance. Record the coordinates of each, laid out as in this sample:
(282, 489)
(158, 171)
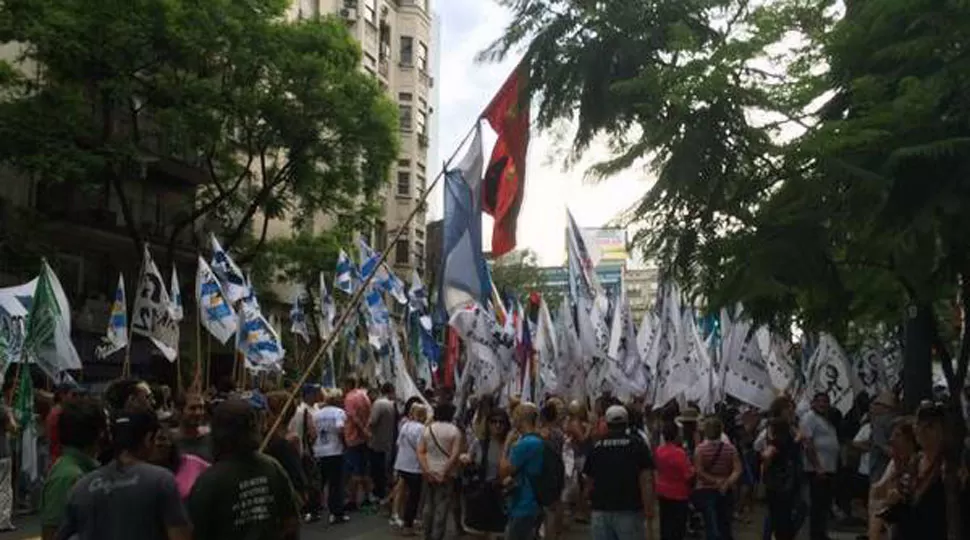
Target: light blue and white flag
(346, 274)
(384, 278)
(216, 313)
(257, 340)
(116, 338)
(298, 323)
(234, 283)
(417, 295)
(328, 310)
(175, 294)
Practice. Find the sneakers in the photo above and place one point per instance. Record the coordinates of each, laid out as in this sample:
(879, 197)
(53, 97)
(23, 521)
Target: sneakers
(311, 517)
(336, 520)
(397, 522)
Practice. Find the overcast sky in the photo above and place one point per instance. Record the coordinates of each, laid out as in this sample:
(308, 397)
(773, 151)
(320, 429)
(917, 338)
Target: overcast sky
(467, 27)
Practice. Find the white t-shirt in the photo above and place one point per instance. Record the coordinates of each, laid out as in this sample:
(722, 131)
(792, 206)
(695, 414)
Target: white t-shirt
(446, 434)
(864, 435)
(407, 447)
(296, 423)
(330, 423)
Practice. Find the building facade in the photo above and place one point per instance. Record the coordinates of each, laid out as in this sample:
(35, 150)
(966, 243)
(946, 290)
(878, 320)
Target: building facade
(396, 41)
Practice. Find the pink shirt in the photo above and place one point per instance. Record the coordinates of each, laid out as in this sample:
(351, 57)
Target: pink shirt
(190, 469)
(356, 405)
(674, 473)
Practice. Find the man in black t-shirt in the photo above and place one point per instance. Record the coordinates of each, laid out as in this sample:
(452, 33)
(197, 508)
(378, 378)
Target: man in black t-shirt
(620, 481)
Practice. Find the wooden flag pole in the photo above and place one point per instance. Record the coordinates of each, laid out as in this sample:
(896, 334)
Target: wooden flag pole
(359, 293)
(208, 361)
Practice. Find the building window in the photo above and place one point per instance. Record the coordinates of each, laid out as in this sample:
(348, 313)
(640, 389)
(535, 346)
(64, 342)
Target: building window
(404, 163)
(419, 234)
(422, 121)
(370, 11)
(422, 185)
(406, 117)
(407, 51)
(401, 255)
(419, 254)
(422, 56)
(405, 96)
(404, 183)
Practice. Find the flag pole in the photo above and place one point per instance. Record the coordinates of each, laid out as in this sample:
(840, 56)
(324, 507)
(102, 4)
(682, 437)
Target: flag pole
(359, 293)
(208, 361)
(197, 375)
(126, 366)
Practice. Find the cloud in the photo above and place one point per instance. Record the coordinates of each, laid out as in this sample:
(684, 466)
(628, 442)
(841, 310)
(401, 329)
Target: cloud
(466, 87)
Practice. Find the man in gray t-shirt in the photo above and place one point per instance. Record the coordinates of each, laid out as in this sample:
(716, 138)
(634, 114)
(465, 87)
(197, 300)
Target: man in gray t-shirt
(821, 462)
(127, 498)
(382, 424)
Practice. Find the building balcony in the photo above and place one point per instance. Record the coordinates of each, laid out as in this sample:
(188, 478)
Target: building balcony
(423, 141)
(426, 79)
(383, 67)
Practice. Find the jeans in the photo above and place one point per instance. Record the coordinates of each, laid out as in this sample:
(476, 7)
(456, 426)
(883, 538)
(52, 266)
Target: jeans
(413, 481)
(716, 509)
(437, 506)
(617, 525)
(673, 519)
(332, 476)
(522, 528)
(820, 504)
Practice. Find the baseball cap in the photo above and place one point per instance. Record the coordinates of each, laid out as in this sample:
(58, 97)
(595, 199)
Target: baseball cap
(617, 415)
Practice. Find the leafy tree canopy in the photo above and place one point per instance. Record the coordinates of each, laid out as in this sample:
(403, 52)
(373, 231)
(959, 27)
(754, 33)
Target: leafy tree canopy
(809, 154)
(275, 115)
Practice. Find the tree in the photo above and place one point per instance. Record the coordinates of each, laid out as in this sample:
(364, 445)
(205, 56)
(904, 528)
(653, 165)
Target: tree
(276, 115)
(858, 217)
(518, 274)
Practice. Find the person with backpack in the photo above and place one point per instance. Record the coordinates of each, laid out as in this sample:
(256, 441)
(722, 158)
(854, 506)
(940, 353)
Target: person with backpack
(782, 459)
(619, 470)
(523, 475)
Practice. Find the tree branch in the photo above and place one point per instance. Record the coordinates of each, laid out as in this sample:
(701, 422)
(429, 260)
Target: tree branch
(281, 177)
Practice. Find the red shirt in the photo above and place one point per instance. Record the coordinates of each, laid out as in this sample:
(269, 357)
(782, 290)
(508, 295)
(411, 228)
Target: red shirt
(53, 433)
(674, 472)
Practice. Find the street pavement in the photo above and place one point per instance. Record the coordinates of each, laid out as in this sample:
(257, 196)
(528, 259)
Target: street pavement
(364, 526)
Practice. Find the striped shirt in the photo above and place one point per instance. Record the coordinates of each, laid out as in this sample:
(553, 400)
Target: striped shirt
(716, 458)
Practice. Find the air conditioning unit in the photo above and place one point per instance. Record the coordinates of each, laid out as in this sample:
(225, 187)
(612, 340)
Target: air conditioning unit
(349, 14)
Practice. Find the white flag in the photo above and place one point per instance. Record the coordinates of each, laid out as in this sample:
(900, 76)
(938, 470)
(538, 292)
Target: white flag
(176, 293)
(152, 315)
(546, 349)
(830, 374)
(234, 283)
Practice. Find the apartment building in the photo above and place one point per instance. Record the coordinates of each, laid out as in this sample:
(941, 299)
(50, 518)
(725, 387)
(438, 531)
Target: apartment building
(396, 40)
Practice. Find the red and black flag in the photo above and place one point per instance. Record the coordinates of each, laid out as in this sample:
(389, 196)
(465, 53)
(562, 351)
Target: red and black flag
(504, 184)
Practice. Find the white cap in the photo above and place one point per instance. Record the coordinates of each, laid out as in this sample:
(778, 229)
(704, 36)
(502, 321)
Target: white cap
(617, 415)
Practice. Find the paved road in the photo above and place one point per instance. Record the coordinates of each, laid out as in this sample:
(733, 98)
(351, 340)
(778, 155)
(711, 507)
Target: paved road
(373, 527)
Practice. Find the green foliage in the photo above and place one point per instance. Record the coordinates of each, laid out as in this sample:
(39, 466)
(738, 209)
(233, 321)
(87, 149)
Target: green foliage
(518, 273)
(275, 116)
(811, 157)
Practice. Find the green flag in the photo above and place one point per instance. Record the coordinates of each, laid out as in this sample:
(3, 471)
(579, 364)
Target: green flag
(43, 315)
(23, 404)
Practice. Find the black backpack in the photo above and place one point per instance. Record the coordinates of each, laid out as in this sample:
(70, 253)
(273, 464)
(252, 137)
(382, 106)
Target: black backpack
(548, 485)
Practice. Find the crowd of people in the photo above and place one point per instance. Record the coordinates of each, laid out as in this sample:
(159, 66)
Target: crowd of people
(128, 464)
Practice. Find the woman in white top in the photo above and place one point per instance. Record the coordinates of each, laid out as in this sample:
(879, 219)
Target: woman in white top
(328, 450)
(408, 468)
(438, 453)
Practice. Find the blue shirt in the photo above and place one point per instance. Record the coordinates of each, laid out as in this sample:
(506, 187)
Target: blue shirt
(526, 458)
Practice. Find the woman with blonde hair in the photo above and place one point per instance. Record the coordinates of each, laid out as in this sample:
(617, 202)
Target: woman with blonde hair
(328, 450)
(408, 469)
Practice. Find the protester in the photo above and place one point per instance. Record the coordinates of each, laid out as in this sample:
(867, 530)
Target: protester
(620, 471)
(8, 430)
(718, 468)
(382, 422)
(674, 481)
(483, 511)
(917, 504)
(782, 476)
(63, 394)
(551, 431)
(190, 437)
(186, 467)
(245, 494)
(280, 447)
(903, 449)
(81, 424)
(357, 433)
(438, 452)
(128, 497)
(520, 466)
(408, 468)
(298, 428)
(329, 450)
(579, 442)
(821, 462)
